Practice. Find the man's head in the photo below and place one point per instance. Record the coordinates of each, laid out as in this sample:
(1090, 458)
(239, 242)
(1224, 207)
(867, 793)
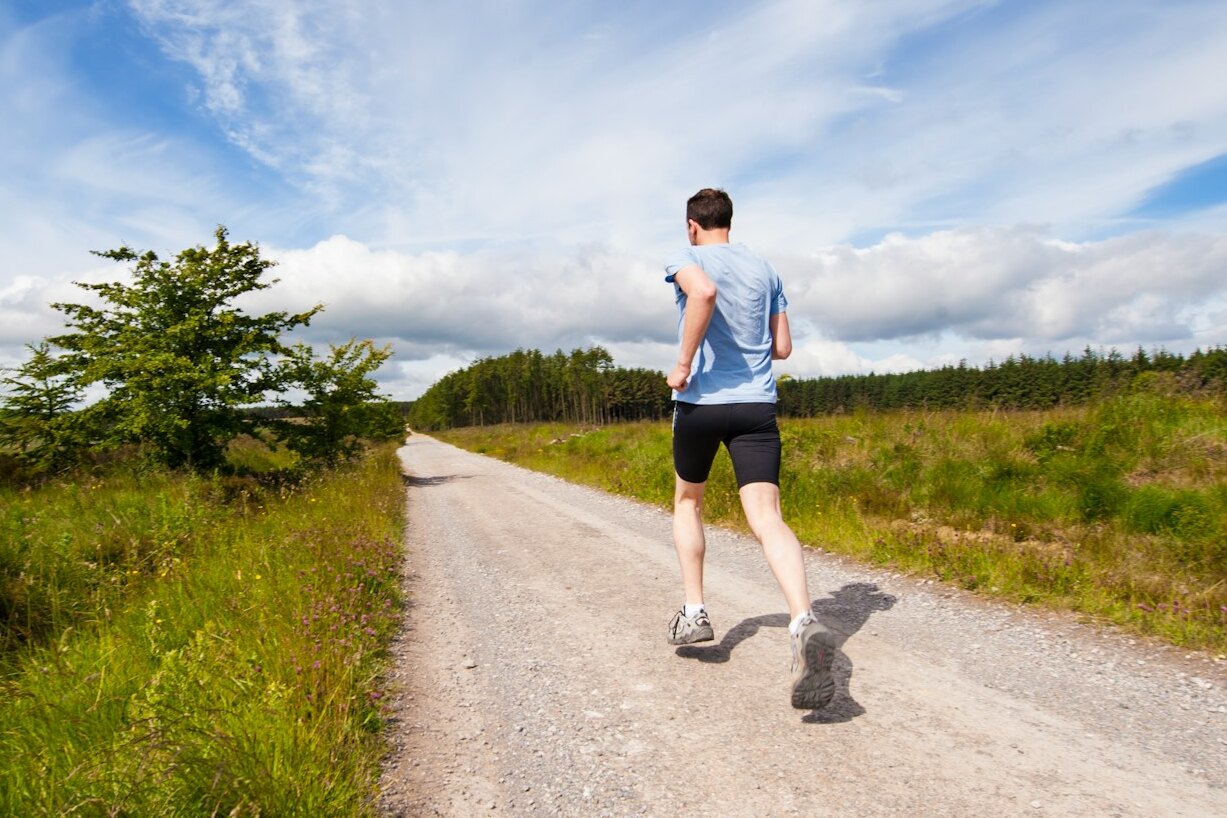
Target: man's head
(711, 209)
(709, 215)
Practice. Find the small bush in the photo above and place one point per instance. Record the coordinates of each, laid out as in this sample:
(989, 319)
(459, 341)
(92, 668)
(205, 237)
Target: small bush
(1053, 439)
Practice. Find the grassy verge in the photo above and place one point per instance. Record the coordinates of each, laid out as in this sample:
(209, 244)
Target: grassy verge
(177, 645)
(1118, 511)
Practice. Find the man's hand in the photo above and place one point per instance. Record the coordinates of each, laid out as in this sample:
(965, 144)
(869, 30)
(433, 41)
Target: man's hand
(678, 377)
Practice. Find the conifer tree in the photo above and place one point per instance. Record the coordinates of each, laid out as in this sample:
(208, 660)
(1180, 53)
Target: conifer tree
(37, 420)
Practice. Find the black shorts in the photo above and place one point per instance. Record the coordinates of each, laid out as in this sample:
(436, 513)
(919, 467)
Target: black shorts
(748, 430)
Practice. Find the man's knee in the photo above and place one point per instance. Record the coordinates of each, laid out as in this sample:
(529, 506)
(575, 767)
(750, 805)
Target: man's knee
(686, 493)
(761, 502)
(760, 495)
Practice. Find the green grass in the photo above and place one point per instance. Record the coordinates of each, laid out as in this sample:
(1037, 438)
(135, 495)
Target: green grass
(177, 645)
(1117, 511)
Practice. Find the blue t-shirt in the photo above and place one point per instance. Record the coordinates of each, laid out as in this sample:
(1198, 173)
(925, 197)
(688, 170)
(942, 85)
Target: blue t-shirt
(733, 364)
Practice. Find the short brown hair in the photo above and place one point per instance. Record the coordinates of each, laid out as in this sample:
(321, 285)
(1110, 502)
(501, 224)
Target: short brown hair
(711, 209)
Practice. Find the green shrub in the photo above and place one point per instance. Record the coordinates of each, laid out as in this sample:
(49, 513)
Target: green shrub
(1053, 439)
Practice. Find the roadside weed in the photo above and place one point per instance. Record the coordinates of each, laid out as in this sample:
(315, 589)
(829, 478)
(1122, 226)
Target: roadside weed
(194, 651)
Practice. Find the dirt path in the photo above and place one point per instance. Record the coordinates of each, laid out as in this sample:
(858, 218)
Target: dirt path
(533, 678)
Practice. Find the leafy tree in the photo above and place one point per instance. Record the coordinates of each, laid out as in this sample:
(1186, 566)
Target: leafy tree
(178, 358)
(37, 420)
(342, 405)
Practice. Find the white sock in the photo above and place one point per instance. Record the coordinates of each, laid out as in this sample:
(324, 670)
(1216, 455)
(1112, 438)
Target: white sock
(795, 625)
(692, 611)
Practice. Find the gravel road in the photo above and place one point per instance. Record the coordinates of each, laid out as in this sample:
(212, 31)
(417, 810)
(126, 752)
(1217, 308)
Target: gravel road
(532, 677)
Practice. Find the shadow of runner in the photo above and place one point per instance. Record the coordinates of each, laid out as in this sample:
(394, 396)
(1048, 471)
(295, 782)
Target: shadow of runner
(843, 613)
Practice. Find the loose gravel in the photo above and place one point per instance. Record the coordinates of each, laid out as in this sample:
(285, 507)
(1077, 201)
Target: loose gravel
(532, 677)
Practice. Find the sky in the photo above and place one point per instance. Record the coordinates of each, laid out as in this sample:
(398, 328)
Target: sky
(935, 180)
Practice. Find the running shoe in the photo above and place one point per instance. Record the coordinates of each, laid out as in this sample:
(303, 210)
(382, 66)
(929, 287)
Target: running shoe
(684, 630)
(813, 650)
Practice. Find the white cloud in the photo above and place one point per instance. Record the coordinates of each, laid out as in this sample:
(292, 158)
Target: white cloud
(25, 315)
(482, 303)
(814, 356)
(994, 283)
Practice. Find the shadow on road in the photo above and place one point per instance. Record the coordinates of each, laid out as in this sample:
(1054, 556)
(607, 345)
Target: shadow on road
(844, 612)
(437, 480)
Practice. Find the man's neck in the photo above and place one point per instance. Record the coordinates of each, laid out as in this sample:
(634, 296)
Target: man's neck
(719, 235)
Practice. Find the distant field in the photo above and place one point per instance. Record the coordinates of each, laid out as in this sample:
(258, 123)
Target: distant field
(1117, 511)
(177, 645)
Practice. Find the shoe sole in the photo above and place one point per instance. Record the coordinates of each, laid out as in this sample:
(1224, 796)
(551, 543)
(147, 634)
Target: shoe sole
(816, 685)
(701, 635)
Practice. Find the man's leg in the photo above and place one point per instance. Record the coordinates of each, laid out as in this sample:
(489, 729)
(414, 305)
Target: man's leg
(761, 502)
(688, 537)
(691, 623)
(696, 439)
(813, 646)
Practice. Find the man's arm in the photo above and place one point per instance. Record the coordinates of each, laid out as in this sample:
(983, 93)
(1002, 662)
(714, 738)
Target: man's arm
(781, 337)
(700, 304)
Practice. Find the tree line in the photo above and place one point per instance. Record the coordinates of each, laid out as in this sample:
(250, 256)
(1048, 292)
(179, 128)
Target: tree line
(528, 386)
(584, 386)
(177, 364)
(1018, 382)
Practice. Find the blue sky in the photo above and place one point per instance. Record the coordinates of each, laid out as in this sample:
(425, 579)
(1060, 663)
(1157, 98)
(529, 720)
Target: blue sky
(935, 179)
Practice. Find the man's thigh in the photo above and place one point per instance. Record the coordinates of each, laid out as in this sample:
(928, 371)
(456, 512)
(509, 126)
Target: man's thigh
(697, 433)
(753, 441)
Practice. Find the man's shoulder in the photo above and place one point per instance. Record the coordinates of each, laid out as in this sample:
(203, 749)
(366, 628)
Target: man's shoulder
(731, 257)
(732, 248)
(686, 255)
(736, 256)
(679, 259)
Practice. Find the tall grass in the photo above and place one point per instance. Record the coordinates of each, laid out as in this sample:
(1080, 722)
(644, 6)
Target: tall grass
(1117, 510)
(177, 645)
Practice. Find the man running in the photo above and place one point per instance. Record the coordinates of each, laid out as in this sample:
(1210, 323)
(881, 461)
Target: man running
(732, 325)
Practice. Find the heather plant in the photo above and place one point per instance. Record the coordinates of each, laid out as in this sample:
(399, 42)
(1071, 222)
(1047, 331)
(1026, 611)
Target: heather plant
(1117, 510)
(176, 647)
